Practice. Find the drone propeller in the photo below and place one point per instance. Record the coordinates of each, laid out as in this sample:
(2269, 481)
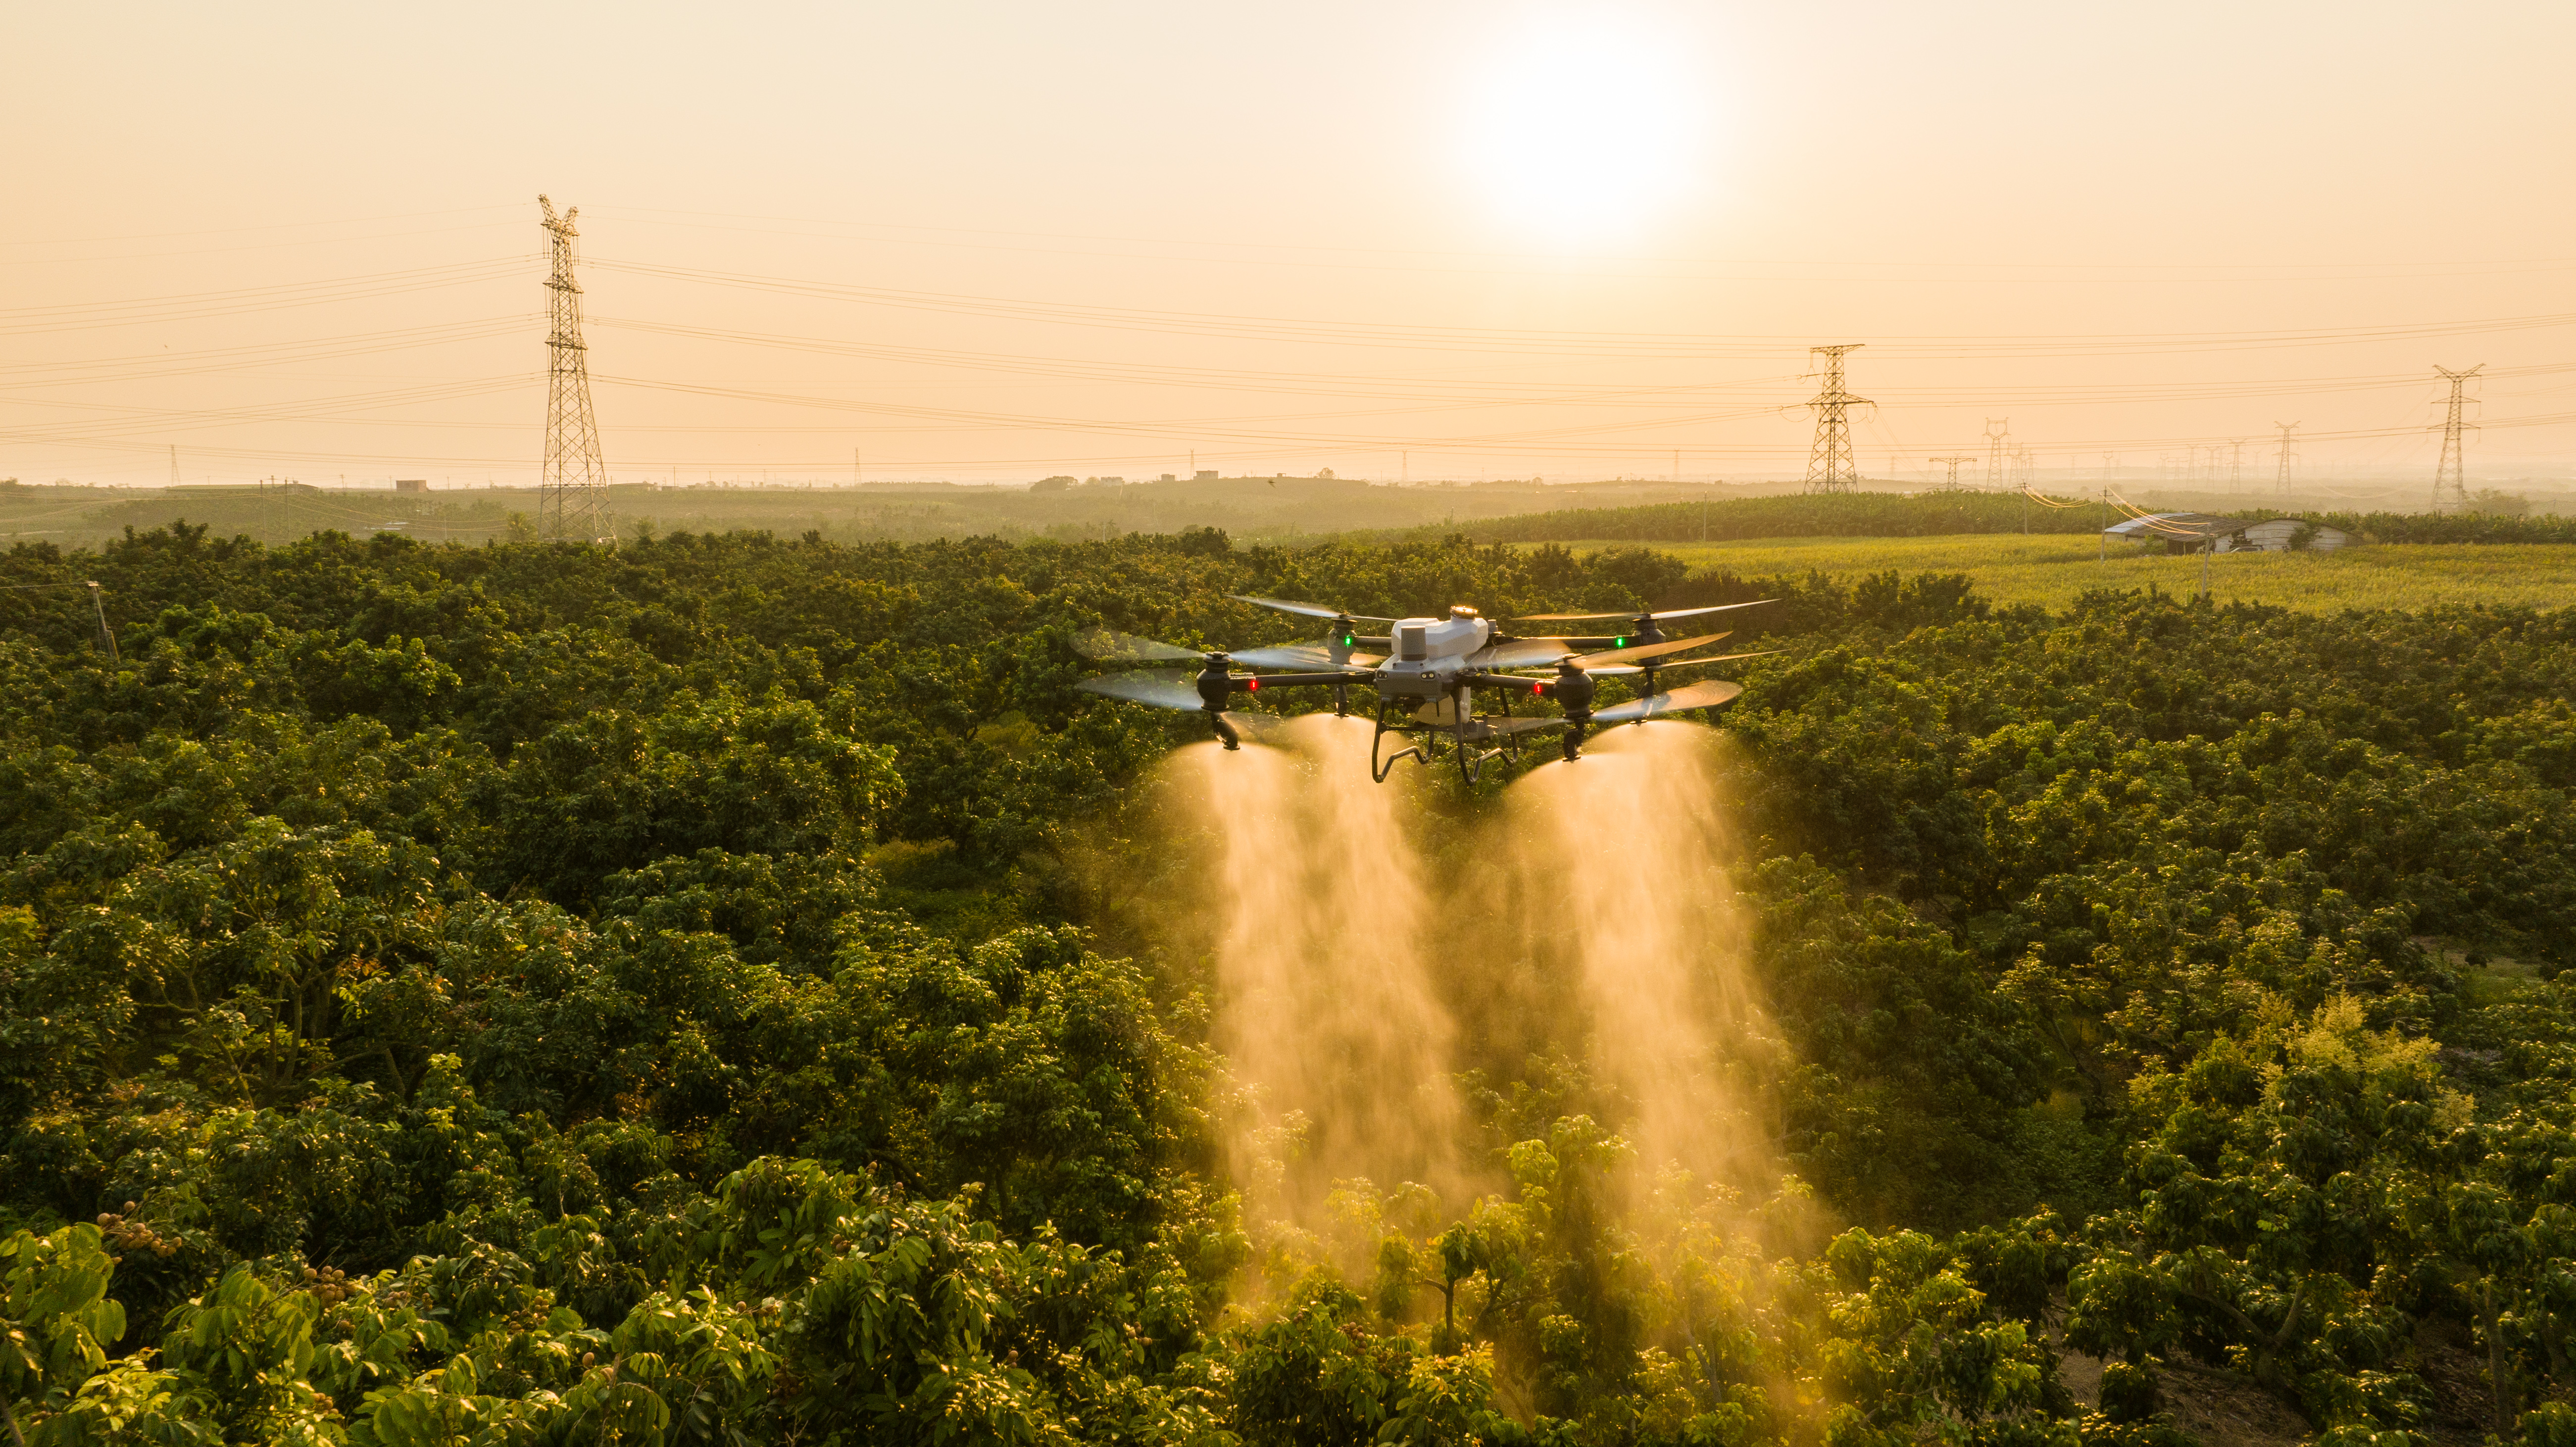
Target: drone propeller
(1102, 645)
(1173, 689)
(1316, 656)
(1163, 688)
(1620, 670)
(1707, 693)
(1717, 658)
(1305, 610)
(1632, 613)
(1523, 653)
(1590, 661)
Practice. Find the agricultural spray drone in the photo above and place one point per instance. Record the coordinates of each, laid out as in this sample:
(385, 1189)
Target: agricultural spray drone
(1426, 672)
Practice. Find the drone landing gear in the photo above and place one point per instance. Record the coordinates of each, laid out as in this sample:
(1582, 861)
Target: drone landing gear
(1461, 734)
(1377, 770)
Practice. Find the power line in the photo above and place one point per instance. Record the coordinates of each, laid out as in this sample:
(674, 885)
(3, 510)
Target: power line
(1697, 345)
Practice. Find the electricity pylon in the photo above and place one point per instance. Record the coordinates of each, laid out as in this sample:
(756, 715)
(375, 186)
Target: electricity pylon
(2235, 464)
(572, 492)
(2288, 454)
(1995, 450)
(2451, 472)
(1952, 484)
(1830, 466)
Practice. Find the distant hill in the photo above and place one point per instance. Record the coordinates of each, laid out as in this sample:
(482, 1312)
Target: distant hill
(1252, 509)
(1897, 515)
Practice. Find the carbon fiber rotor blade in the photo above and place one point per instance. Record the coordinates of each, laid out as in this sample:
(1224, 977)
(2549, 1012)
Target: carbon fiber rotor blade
(1285, 655)
(1672, 613)
(1620, 670)
(1696, 662)
(1308, 610)
(1163, 688)
(1651, 650)
(1525, 725)
(1707, 693)
(1102, 645)
(1521, 653)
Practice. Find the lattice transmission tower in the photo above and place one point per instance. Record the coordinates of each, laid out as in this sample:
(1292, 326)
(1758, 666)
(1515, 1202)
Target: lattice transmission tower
(1830, 465)
(2289, 454)
(1995, 450)
(1951, 483)
(572, 493)
(2450, 475)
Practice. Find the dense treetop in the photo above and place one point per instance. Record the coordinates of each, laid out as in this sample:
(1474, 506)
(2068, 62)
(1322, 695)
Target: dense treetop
(529, 993)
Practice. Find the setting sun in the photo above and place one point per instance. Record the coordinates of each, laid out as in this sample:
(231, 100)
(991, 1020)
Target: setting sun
(1583, 127)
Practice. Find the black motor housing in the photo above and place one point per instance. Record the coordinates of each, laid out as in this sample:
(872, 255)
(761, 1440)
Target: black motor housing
(1573, 690)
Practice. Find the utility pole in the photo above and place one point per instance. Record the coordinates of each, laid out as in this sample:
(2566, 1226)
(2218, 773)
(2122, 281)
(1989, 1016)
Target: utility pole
(1830, 467)
(572, 491)
(2287, 453)
(1951, 483)
(2451, 472)
(854, 467)
(1995, 450)
(174, 464)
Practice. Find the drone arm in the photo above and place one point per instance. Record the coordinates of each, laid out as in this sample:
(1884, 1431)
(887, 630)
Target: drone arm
(1255, 682)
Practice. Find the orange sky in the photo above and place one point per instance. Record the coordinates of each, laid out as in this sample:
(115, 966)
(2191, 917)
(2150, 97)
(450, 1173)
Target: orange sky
(990, 242)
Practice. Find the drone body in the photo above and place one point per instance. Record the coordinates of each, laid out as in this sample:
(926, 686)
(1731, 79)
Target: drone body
(1427, 677)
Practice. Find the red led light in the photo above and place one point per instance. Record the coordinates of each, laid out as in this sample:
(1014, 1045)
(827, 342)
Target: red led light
(1252, 684)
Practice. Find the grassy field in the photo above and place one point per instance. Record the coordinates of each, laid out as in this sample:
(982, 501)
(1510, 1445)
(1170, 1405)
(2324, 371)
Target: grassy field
(2052, 571)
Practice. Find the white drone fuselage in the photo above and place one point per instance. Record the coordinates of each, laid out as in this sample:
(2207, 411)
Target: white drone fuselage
(1428, 654)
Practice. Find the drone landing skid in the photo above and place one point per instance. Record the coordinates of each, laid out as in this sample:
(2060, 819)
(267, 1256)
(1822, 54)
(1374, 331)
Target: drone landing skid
(1379, 770)
(1462, 735)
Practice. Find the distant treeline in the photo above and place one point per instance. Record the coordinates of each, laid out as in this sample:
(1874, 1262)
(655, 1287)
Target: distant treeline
(1895, 515)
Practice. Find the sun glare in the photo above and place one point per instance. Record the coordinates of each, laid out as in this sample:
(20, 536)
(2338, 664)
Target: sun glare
(1584, 127)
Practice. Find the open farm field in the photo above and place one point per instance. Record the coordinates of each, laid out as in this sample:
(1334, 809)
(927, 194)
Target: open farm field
(2052, 571)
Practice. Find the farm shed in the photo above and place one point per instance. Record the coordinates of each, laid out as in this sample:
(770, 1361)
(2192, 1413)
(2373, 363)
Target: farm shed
(2189, 532)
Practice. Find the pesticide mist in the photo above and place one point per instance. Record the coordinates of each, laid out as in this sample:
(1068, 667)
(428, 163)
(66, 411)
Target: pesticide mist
(1374, 946)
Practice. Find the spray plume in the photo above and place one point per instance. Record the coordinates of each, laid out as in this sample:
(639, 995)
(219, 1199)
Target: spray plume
(1617, 895)
(1314, 909)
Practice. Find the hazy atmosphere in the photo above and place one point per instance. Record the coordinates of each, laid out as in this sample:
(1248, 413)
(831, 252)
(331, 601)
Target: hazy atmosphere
(1513, 725)
(994, 242)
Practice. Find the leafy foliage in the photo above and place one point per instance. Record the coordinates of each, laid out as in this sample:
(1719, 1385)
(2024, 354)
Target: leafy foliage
(532, 994)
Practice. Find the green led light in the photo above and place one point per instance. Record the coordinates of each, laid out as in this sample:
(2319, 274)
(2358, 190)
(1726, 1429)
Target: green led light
(1618, 642)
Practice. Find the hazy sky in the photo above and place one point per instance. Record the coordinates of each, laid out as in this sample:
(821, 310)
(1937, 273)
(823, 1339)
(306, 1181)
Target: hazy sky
(1001, 240)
